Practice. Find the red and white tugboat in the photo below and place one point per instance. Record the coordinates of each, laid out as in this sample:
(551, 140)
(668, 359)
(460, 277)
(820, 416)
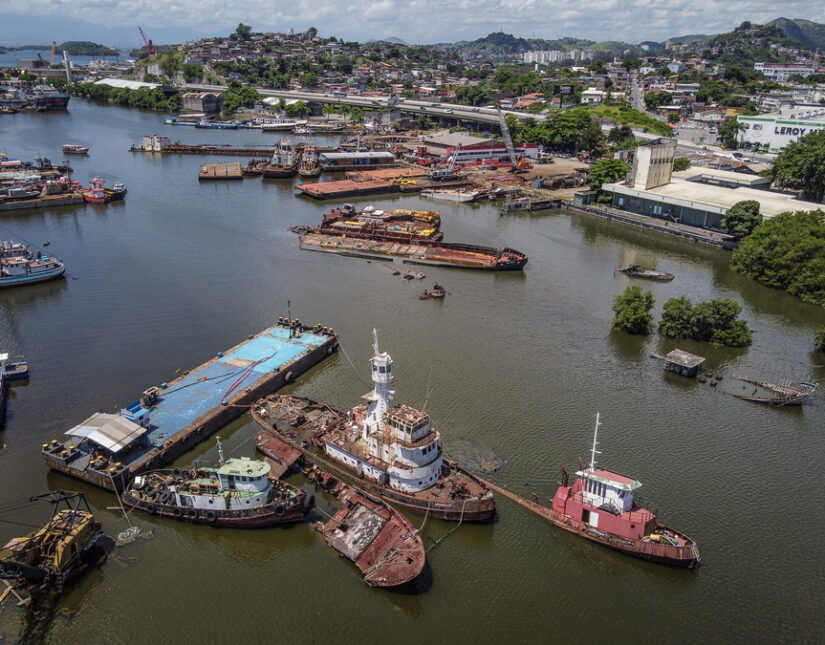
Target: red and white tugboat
(599, 506)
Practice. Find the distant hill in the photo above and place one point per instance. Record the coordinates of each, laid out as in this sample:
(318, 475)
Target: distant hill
(749, 43)
(85, 48)
(807, 32)
(501, 45)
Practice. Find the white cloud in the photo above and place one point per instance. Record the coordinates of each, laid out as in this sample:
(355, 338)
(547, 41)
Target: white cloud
(426, 21)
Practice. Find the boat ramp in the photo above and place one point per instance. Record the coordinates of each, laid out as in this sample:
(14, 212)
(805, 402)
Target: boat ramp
(109, 450)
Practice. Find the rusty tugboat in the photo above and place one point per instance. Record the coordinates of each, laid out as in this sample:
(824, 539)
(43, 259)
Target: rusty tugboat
(237, 493)
(392, 452)
(378, 539)
(599, 506)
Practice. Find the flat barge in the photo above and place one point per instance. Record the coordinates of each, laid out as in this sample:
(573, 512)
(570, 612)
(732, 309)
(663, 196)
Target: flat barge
(347, 188)
(467, 256)
(109, 450)
(46, 201)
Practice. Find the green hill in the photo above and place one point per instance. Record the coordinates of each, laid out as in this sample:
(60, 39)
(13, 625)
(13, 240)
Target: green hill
(85, 48)
(807, 32)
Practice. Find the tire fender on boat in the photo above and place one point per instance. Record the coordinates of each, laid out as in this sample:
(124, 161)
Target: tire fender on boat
(279, 509)
(151, 509)
(211, 516)
(309, 502)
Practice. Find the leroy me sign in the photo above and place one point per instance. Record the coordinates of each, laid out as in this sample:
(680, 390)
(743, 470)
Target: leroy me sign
(795, 132)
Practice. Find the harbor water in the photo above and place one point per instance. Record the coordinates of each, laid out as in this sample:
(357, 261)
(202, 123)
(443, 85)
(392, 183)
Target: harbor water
(512, 368)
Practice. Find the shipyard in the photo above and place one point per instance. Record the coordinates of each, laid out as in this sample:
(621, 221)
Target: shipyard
(548, 324)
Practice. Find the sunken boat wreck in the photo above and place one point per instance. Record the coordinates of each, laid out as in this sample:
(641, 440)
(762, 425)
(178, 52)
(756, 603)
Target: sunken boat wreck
(389, 451)
(374, 536)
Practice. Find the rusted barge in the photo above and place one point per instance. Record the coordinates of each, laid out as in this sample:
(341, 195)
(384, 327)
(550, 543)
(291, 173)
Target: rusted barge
(467, 256)
(109, 450)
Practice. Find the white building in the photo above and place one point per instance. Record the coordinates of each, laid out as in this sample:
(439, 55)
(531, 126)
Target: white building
(593, 95)
(781, 72)
(775, 131)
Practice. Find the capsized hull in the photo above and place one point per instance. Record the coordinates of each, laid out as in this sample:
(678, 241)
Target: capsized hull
(379, 540)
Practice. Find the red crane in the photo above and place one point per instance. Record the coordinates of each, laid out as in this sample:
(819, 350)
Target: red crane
(150, 48)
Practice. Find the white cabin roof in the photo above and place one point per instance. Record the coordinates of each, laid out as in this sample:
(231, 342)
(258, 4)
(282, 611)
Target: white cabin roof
(608, 478)
(110, 431)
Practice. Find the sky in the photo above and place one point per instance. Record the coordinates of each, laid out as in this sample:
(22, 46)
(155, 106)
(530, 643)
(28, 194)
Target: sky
(114, 22)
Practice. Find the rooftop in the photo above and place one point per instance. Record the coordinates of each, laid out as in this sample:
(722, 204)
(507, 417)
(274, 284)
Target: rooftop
(610, 478)
(126, 84)
(685, 190)
(244, 466)
(110, 431)
(685, 359)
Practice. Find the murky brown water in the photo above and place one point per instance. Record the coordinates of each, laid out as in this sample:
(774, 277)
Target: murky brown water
(517, 365)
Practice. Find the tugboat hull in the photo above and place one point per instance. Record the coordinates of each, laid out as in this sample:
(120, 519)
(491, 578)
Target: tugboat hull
(268, 515)
(677, 556)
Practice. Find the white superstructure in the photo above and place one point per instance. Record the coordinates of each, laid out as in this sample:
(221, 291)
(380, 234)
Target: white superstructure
(394, 446)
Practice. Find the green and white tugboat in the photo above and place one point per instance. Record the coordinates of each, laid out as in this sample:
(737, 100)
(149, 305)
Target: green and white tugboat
(237, 492)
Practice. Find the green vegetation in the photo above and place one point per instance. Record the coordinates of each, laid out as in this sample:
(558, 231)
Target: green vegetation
(85, 48)
(625, 115)
(607, 171)
(749, 43)
(242, 32)
(819, 339)
(681, 163)
(238, 96)
(155, 99)
(729, 133)
(632, 308)
(571, 130)
(741, 218)
(715, 322)
(787, 252)
(802, 165)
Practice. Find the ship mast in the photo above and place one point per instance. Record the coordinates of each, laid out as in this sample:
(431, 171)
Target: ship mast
(593, 451)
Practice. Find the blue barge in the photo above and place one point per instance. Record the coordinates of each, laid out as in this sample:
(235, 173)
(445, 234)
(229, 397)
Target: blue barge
(109, 450)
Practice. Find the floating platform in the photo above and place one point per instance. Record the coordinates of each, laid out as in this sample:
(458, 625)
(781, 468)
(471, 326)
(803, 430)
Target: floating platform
(346, 188)
(220, 171)
(109, 450)
(47, 201)
(181, 149)
(388, 174)
(467, 256)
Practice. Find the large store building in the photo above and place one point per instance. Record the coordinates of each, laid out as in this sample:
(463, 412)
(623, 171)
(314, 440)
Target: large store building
(774, 131)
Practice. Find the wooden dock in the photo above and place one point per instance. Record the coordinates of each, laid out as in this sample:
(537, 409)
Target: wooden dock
(220, 171)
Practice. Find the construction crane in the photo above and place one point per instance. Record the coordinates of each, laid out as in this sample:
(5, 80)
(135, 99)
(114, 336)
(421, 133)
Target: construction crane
(520, 163)
(442, 174)
(150, 48)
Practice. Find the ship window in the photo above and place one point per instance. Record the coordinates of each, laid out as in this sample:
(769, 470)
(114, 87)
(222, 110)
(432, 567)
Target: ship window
(382, 369)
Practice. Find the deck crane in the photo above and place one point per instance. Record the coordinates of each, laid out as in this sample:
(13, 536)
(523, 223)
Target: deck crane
(150, 48)
(520, 164)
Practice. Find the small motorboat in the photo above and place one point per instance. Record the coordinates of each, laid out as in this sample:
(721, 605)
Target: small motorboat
(75, 149)
(436, 292)
(117, 192)
(635, 271)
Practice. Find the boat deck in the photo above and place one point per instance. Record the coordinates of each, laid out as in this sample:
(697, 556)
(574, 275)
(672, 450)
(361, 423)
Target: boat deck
(200, 401)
